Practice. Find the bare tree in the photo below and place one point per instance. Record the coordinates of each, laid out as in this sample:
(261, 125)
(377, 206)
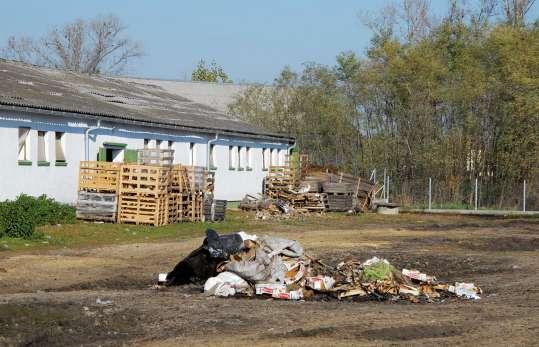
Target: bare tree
(411, 19)
(416, 18)
(96, 46)
(381, 23)
(516, 10)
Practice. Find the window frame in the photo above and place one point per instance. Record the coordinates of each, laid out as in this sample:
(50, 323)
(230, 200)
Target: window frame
(234, 158)
(266, 158)
(57, 161)
(42, 148)
(25, 147)
(212, 163)
(248, 158)
(192, 154)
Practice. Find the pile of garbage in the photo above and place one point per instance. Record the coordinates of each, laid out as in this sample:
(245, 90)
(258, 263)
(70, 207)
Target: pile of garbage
(250, 265)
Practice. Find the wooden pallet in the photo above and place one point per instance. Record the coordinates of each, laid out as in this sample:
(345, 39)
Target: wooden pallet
(214, 210)
(155, 156)
(144, 179)
(179, 181)
(196, 207)
(97, 206)
(99, 176)
(137, 208)
(178, 207)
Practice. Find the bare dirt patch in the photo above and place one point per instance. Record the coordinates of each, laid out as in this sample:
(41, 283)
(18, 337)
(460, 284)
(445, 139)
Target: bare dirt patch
(43, 296)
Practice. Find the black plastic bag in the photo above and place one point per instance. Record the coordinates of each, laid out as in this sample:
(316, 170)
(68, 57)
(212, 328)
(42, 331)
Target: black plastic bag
(221, 247)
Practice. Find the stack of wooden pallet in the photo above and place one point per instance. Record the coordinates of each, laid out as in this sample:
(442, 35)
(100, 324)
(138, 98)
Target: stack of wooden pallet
(190, 185)
(143, 194)
(178, 193)
(98, 191)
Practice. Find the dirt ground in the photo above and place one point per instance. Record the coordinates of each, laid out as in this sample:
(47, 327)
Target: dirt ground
(103, 296)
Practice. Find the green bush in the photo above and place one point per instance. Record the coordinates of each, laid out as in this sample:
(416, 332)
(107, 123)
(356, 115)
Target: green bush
(18, 218)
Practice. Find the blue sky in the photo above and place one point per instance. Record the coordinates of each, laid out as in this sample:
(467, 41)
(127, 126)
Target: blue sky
(252, 40)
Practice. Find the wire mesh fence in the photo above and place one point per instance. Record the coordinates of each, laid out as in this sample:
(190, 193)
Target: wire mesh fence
(471, 193)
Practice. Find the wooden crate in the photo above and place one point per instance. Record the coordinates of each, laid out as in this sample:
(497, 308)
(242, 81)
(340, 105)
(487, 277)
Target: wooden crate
(99, 176)
(155, 156)
(97, 206)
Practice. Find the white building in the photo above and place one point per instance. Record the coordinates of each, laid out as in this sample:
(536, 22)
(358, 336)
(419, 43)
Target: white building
(50, 120)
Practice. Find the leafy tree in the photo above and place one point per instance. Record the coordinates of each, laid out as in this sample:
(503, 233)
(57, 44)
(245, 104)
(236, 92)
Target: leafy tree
(454, 101)
(209, 73)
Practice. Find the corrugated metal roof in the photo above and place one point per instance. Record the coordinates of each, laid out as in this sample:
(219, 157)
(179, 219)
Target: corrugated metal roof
(24, 85)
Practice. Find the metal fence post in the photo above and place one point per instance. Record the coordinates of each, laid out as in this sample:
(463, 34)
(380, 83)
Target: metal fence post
(430, 193)
(524, 197)
(385, 185)
(476, 193)
(388, 188)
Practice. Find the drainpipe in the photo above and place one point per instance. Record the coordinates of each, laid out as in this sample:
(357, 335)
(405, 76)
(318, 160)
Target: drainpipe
(210, 142)
(87, 140)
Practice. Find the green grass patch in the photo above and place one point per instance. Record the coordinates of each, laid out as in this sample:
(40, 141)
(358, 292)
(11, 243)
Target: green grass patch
(89, 234)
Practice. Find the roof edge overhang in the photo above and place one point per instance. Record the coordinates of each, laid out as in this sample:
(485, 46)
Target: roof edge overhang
(47, 110)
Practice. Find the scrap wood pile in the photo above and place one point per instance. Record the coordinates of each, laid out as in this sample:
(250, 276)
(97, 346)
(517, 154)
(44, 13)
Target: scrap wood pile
(251, 265)
(288, 192)
(146, 194)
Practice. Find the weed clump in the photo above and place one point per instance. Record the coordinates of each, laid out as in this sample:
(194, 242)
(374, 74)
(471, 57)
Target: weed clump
(20, 217)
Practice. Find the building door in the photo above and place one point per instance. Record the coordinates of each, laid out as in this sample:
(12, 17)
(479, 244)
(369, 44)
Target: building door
(112, 152)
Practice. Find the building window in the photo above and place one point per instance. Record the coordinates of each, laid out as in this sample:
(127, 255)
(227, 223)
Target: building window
(212, 158)
(192, 154)
(280, 157)
(24, 145)
(158, 144)
(170, 144)
(59, 145)
(42, 150)
(242, 160)
(233, 158)
(248, 159)
(273, 157)
(146, 143)
(265, 158)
